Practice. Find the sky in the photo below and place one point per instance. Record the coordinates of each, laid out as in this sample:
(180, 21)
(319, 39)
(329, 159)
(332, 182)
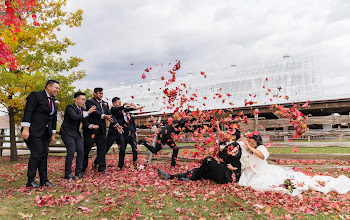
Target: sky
(208, 36)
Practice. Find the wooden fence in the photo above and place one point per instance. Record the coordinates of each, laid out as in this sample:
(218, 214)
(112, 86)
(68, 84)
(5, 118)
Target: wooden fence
(261, 125)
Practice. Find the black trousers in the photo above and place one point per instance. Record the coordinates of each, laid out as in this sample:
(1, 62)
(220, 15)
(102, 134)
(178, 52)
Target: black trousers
(162, 140)
(38, 156)
(209, 169)
(73, 144)
(101, 142)
(132, 142)
(111, 138)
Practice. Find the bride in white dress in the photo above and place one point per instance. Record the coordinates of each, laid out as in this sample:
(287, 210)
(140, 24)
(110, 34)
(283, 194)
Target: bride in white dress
(260, 175)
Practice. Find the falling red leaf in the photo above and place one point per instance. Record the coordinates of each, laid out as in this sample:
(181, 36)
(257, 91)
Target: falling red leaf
(143, 76)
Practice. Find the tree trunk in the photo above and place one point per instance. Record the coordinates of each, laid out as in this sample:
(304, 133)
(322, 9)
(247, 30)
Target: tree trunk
(13, 146)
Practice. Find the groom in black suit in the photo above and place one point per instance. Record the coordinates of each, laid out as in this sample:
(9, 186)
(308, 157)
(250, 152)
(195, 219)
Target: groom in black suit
(98, 135)
(39, 129)
(75, 114)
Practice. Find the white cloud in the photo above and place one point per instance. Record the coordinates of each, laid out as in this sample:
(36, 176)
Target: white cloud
(208, 36)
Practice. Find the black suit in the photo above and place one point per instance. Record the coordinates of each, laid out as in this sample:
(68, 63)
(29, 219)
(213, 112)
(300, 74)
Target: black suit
(42, 121)
(97, 136)
(214, 170)
(129, 134)
(72, 139)
(165, 136)
(113, 134)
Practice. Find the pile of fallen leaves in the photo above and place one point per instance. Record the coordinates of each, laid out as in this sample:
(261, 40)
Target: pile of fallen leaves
(143, 188)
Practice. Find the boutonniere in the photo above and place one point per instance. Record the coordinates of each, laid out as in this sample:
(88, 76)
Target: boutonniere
(57, 102)
(104, 104)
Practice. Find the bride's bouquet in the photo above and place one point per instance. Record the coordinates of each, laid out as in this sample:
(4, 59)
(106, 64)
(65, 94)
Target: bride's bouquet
(291, 184)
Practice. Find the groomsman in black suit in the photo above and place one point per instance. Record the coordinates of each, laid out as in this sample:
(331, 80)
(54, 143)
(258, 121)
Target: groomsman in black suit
(75, 114)
(39, 129)
(115, 135)
(129, 137)
(98, 135)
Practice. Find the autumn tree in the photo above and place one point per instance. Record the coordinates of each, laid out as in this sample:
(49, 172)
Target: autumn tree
(39, 54)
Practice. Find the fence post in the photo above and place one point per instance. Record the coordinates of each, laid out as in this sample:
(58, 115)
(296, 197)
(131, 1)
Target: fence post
(256, 120)
(339, 135)
(2, 133)
(285, 138)
(154, 140)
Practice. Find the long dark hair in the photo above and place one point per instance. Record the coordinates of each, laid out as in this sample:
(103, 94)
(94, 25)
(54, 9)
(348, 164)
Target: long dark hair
(257, 138)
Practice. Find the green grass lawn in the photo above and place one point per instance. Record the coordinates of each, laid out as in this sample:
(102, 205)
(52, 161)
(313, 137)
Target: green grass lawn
(140, 194)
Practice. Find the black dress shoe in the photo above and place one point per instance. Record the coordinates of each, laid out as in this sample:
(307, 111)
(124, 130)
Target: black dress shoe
(163, 175)
(141, 141)
(47, 183)
(79, 175)
(32, 184)
(70, 176)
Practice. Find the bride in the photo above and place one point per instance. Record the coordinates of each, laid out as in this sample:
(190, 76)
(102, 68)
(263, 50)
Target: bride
(260, 175)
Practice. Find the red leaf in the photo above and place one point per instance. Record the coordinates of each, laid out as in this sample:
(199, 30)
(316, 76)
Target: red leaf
(143, 76)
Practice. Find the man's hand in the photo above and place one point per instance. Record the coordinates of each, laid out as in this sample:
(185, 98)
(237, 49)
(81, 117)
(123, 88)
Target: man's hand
(94, 126)
(119, 129)
(53, 137)
(25, 133)
(92, 109)
(231, 167)
(108, 117)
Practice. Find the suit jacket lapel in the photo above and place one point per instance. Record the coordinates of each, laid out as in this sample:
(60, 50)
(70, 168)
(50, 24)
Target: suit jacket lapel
(47, 99)
(98, 106)
(76, 109)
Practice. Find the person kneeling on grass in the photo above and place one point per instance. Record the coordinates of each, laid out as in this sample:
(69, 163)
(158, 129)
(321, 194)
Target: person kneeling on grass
(225, 170)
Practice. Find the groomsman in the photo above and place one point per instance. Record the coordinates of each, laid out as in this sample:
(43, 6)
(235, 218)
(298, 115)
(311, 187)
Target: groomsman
(166, 136)
(129, 137)
(115, 135)
(39, 129)
(75, 114)
(98, 135)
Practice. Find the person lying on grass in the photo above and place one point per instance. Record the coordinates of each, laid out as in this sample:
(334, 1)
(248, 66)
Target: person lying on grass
(224, 170)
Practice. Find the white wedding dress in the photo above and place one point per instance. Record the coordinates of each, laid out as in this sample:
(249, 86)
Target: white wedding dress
(262, 176)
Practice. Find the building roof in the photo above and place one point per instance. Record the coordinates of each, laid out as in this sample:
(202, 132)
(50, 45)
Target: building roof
(290, 80)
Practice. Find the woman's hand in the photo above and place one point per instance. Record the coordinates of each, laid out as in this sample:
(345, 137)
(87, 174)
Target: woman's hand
(246, 144)
(234, 151)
